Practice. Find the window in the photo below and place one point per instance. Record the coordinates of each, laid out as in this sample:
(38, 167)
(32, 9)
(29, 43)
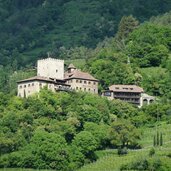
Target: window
(107, 93)
(80, 81)
(40, 84)
(84, 89)
(32, 84)
(28, 85)
(76, 81)
(76, 88)
(20, 86)
(80, 88)
(56, 71)
(117, 88)
(89, 82)
(85, 82)
(89, 89)
(94, 83)
(25, 86)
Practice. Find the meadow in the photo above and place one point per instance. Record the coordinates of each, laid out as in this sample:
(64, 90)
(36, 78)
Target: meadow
(110, 161)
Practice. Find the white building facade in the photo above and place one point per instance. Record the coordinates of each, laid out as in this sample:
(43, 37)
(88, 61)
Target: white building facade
(50, 68)
(33, 85)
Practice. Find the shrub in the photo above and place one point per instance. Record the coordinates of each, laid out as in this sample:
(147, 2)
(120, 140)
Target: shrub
(122, 151)
(151, 152)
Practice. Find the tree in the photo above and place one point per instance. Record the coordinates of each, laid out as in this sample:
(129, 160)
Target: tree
(161, 139)
(126, 26)
(154, 141)
(151, 152)
(86, 144)
(99, 133)
(157, 139)
(50, 151)
(123, 133)
(149, 45)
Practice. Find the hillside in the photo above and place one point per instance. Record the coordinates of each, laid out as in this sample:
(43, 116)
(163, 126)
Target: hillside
(110, 160)
(117, 42)
(29, 29)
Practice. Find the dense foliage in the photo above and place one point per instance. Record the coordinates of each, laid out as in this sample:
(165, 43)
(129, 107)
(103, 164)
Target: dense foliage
(63, 130)
(29, 29)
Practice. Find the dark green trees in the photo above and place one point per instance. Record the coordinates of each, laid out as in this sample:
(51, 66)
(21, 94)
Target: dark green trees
(123, 133)
(149, 45)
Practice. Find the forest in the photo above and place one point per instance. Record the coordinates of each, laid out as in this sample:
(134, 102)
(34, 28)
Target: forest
(118, 42)
(62, 131)
(29, 29)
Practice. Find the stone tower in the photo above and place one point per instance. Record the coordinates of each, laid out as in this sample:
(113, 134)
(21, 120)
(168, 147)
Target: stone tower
(51, 68)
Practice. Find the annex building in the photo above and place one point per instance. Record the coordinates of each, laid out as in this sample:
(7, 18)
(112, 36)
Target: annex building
(50, 73)
(128, 93)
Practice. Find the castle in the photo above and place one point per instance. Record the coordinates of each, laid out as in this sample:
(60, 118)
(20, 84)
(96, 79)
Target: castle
(50, 73)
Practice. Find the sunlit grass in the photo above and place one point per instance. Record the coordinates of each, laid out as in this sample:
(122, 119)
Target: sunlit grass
(110, 161)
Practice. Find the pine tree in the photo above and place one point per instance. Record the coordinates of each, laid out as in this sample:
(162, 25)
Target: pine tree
(126, 26)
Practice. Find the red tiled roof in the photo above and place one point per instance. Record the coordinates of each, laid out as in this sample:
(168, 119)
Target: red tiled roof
(79, 74)
(126, 88)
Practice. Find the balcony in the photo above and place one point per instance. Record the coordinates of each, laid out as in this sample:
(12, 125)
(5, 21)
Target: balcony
(126, 96)
(63, 88)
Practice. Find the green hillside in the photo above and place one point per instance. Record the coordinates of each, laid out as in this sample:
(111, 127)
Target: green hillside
(110, 161)
(117, 42)
(29, 29)
(68, 130)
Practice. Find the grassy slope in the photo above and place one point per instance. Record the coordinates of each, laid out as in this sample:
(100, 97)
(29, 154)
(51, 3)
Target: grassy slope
(110, 161)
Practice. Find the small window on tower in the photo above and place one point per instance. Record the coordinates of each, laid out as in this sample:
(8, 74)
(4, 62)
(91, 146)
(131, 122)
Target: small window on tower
(56, 71)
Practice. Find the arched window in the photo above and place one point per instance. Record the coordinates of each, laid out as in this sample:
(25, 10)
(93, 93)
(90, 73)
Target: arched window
(145, 102)
(151, 101)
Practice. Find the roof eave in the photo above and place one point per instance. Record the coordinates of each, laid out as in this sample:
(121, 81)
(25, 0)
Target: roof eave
(81, 79)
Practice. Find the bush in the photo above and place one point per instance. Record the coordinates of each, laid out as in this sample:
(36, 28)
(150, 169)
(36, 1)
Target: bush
(122, 151)
(151, 152)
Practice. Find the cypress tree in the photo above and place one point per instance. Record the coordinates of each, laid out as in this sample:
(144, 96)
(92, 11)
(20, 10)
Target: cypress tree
(158, 139)
(161, 139)
(154, 141)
